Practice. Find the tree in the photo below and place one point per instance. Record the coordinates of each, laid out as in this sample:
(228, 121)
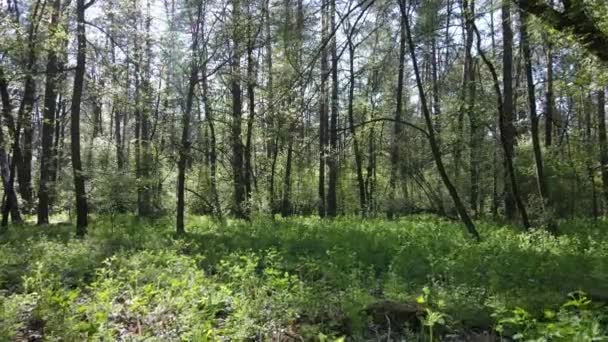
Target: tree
(507, 130)
(462, 211)
(78, 172)
(575, 18)
(184, 150)
(48, 123)
(323, 131)
(12, 205)
(332, 205)
(397, 128)
(601, 124)
(538, 158)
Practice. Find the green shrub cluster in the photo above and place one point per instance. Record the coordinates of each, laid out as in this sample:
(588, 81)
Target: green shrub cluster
(300, 278)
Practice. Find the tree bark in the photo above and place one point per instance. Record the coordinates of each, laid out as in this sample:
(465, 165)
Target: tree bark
(549, 99)
(217, 210)
(12, 204)
(351, 122)
(78, 172)
(601, 124)
(240, 200)
(541, 181)
(397, 128)
(332, 205)
(460, 208)
(508, 156)
(323, 109)
(507, 128)
(576, 19)
(48, 123)
(184, 151)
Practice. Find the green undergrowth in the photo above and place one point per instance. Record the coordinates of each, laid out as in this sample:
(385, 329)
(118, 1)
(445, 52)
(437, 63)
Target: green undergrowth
(301, 279)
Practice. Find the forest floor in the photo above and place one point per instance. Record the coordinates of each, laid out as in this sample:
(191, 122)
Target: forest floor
(414, 279)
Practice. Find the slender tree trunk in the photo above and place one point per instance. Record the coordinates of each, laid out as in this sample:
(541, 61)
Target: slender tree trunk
(251, 80)
(549, 99)
(460, 208)
(79, 176)
(323, 109)
(48, 123)
(23, 156)
(240, 205)
(468, 107)
(12, 205)
(332, 205)
(286, 209)
(508, 129)
(145, 191)
(184, 151)
(58, 152)
(538, 158)
(601, 124)
(270, 116)
(508, 152)
(351, 122)
(397, 128)
(217, 210)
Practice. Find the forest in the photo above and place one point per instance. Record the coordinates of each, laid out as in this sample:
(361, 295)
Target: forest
(304, 170)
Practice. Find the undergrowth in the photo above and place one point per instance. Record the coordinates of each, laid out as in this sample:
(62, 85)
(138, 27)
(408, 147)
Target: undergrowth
(301, 279)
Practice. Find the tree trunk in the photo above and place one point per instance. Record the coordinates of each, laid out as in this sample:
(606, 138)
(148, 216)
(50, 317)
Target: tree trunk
(145, 190)
(286, 201)
(184, 151)
(332, 205)
(468, 107)
(78, 172)
(23, 154)
(251, 80)
(507, 127)
(240, 205)
(508, 158)
(460, 208)
(397, 128)
(323, 109)
(48, 123)
(538, 158)
(351, 123)
(217, 210)
(601, 124)
(12, 204)
(549, 99)
(270, 116)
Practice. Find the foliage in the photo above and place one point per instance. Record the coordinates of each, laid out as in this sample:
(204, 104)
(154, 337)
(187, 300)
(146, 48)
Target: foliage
(298, 277)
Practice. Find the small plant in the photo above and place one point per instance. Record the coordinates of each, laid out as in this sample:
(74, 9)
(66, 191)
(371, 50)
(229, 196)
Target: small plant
(432, 317)
(575, 320)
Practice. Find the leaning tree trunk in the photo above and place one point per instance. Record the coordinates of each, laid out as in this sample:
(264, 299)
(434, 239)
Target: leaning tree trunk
(503, 140)
(12, 205)
(460, 208)
(538, 158)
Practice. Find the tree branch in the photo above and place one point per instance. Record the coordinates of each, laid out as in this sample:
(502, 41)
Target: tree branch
(574, 19)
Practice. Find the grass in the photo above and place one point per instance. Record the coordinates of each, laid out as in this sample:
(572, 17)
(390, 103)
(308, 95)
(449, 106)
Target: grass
(300, 278)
